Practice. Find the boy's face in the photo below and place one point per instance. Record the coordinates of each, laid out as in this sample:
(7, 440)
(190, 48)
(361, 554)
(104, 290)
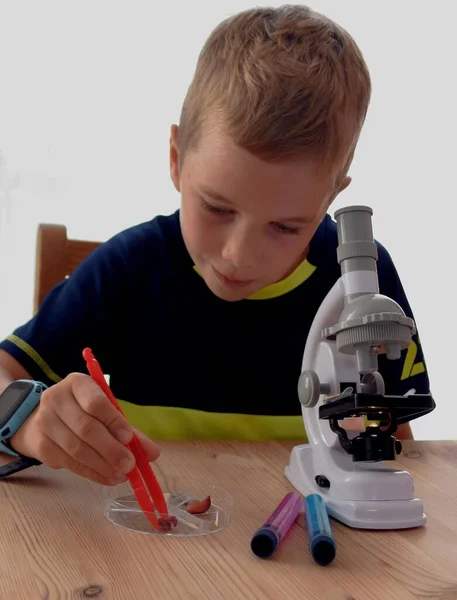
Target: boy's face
(246, 223)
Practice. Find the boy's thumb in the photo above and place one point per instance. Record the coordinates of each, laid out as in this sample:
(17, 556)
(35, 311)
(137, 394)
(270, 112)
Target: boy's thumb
(151, 448)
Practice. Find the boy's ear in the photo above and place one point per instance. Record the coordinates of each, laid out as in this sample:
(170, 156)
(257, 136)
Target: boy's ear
(174, 157)
(345, 183)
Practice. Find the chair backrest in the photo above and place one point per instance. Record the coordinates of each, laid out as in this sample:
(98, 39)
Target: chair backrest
(56, 258)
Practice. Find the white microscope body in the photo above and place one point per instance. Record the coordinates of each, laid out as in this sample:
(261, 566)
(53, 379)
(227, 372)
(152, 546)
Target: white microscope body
(340, 381)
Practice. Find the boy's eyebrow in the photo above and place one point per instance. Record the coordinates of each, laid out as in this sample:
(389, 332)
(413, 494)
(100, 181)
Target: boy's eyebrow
(221, 198)
(215, 195)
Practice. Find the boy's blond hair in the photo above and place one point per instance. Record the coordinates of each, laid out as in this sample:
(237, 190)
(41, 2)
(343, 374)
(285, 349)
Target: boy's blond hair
(286, 83)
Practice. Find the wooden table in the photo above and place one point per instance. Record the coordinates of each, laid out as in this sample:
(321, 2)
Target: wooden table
(56, 543)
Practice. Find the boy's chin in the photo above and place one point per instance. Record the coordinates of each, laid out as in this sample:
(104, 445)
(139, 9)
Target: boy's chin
(228, 293)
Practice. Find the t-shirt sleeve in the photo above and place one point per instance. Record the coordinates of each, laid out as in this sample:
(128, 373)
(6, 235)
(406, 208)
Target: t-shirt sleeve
(410, 370)
(84, 310)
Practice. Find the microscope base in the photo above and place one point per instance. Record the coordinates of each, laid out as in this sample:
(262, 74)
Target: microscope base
(359, 514)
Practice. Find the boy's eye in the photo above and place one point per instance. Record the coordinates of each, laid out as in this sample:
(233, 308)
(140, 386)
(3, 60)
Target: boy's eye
(287, 230)
(215, 209)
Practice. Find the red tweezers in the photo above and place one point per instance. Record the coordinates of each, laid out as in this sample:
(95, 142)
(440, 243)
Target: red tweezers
(155, 502)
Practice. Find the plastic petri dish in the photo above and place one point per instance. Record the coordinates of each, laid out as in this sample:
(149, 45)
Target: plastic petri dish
(123, 510)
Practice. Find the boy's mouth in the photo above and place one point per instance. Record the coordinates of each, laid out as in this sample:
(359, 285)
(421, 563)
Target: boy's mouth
(232, 282)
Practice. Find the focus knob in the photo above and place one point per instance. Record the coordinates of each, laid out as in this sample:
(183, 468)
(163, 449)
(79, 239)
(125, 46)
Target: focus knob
(310, 388)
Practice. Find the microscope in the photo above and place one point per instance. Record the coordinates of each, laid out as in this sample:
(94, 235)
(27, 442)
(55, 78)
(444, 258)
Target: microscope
(340, 384)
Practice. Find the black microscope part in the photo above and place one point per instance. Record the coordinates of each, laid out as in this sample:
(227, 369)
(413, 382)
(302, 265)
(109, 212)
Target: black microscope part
(375, 443)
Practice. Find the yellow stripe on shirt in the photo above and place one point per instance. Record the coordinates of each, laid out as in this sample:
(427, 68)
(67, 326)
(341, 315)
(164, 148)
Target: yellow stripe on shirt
(35, 357)
(175, 423)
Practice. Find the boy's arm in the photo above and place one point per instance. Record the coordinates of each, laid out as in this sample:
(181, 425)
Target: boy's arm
(10, 370)
(81, 311)
(410, 370)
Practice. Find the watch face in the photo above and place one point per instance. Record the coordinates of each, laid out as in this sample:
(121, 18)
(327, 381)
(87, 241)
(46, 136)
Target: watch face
(12, 398)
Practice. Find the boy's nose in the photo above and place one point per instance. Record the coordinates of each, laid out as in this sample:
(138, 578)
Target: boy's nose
(241, 250)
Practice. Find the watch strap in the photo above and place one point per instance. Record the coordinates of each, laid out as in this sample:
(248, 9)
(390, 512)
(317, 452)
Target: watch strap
(22, 463)
(5, 447)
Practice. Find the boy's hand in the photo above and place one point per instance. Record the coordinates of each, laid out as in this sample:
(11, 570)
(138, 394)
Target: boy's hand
(76, 427)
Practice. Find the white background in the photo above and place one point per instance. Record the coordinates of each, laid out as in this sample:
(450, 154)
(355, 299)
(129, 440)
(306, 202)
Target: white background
(89, 89)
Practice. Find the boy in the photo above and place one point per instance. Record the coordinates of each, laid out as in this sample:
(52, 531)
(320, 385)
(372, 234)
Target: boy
(200, 318)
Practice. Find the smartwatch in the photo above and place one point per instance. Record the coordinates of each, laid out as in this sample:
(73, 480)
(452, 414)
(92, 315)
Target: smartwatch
(17, 402)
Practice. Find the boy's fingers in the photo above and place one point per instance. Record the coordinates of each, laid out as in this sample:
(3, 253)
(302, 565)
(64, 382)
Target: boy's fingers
(151, 448)
(94, 402)
(56, 430)
(53, 456)
(89, 414)
(93, 433)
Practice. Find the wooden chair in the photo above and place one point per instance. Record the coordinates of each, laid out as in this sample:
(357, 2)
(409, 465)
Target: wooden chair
(56, 258)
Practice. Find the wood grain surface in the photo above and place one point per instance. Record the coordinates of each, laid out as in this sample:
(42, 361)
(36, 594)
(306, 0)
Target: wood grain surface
(57, 544)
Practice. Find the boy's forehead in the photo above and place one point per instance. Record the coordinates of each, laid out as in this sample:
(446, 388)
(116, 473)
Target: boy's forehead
(221, 169)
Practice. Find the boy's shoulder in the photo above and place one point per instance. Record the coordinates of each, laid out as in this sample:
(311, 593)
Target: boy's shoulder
(163, 231)
(155, 243)
(138, 258)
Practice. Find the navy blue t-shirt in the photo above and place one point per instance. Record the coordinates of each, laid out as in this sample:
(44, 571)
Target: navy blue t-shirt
(182, 362)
